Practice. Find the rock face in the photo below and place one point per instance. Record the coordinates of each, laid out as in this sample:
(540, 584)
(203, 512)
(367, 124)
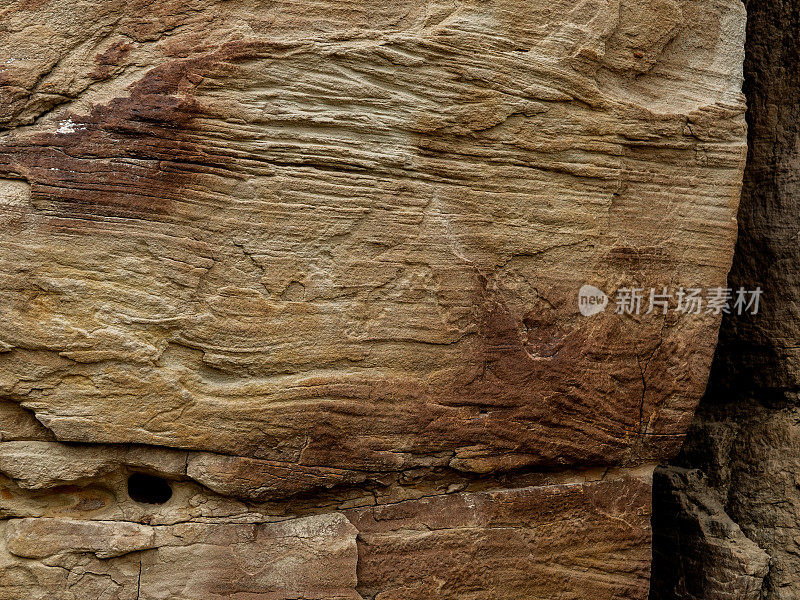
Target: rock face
(699, 552)
(310, 270)
(744, 447)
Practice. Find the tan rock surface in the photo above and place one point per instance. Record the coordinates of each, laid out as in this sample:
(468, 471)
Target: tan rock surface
(512, 543)
(311, 558)
(300, 259)
(524, 543)
(302, 238)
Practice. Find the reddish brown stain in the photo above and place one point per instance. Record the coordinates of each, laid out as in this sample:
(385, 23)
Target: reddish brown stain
(31, 4)
(114, 53)
(136, 157)
(132, 158)
(106, 61)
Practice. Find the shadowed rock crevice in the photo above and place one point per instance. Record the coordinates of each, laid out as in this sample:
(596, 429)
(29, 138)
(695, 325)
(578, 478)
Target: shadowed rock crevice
(148, 489)
(731, 498)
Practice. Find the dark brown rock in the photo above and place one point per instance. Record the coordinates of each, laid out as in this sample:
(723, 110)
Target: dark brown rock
(698, 550)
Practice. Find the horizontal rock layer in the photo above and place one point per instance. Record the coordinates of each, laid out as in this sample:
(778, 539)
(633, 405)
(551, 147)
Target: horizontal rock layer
(511, 543)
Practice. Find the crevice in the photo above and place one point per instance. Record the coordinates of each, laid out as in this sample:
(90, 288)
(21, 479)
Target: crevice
(742, 446)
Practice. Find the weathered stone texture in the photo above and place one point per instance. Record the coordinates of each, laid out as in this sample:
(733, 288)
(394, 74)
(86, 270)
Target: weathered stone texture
(312, 558)
(304, 258)
(749, 457)
(745, 442)
(511, 543)
(764, 350)
(698, 551)
(525, 543)
(307, 239)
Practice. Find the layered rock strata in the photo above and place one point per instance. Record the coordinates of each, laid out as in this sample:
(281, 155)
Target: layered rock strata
(289, 291)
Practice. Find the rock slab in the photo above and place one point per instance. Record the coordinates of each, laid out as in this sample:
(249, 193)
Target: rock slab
(310, 270)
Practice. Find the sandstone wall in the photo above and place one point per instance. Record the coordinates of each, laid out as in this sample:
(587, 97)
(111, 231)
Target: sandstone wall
(288, 291)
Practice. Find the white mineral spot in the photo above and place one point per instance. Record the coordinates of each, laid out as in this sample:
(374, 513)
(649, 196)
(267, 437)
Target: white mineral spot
(66, 127)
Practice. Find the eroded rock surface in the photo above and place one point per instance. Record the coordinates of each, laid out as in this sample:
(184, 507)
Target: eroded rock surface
(520, 542)
(745, 442)
(315, 265)
(698, 550)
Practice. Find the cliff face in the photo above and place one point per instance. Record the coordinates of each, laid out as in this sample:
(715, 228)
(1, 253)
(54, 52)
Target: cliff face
(289, 291)
(734, 488)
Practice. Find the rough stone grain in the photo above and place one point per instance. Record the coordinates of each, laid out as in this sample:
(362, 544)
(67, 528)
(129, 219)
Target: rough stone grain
(510, 543)
(316, 261)
(307, 238)
(313, 558)
(698, 551)
(527, 543)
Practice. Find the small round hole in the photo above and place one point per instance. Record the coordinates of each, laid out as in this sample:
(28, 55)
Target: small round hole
(148, 489)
